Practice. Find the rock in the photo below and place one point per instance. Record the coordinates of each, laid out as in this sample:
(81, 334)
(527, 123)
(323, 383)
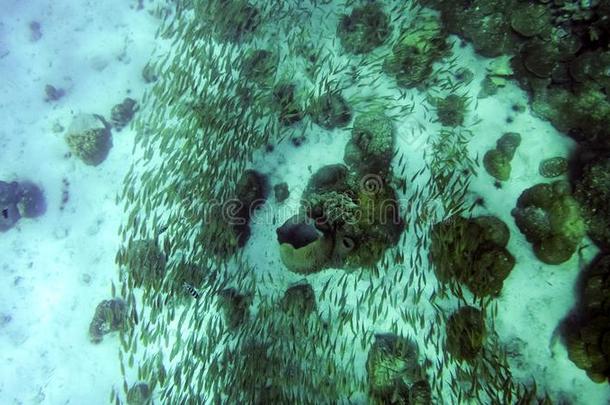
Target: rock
(497, 164)
(32, 202)
(234, 307)
(299, 300)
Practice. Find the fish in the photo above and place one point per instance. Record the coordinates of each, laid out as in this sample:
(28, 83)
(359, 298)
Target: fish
(191, 290)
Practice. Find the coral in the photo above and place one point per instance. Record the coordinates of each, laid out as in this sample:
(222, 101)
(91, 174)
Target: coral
(472, 252)
(497, 161)
(531, 19)
(592, 190)
(419, 46)
(465, 333)
(89, 139)
(122, 113)
(393, 370)
(234, 307)
(365, 29)
(553, 167)
(145, 263)
(231, 20)
(139, 394)
(588, 335)
(299, 300)
(260, 66)
(550, 218)
(451, 110)
(10, 194)
(303, 248)
(110, 316)
(330, 110)
(251, 192)
(32, 202)
(371, 147)
(288, 106)
(281, 192)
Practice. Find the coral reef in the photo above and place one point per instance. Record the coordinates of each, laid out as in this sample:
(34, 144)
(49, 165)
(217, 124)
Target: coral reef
(472, 252)
(553, 167)
(122, 113)
(88, 138)
(110, 316)
(592, 190)
(497, 161)
(550, 218)
(366, 28)
(281, 192)
(234, 307)
(330, 110)
(419, 46)
(588, 334)
(299, 300)
(451, 110)
(395, 375)
(465, 333)
(371, 146)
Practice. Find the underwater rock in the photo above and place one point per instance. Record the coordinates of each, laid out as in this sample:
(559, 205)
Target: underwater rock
(371, 147)
(303, 248)
(588, 334)
(472, 252)
(592, 190)
(122, 113)
(299, 300)
(139, 394)
(251, 193)
(451, 110)
(330, 110)
(145, 263)
(465, 333)
(148, 74)
(287, 104)
(419, 46)
(88, 138)
(550, 218)
(393, 370)
(366, 28)
(234, 307)
(553, 167)
(110, 316)
(281, 192)
(497, 161)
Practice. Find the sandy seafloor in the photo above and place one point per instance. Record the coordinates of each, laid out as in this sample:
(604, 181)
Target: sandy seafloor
(56, 268)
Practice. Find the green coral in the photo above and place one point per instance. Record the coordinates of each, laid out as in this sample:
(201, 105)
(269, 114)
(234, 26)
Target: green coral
(553, 167)
(588, 336)
(330, 110)
(550, 218)
(592, 190)
(91, 146)
(419, 46)
(497, 161)
(451, 110)
(472, 252)
(365, 29)
(466, 333)
(371, 147)
(395, 375)
(110, 316)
